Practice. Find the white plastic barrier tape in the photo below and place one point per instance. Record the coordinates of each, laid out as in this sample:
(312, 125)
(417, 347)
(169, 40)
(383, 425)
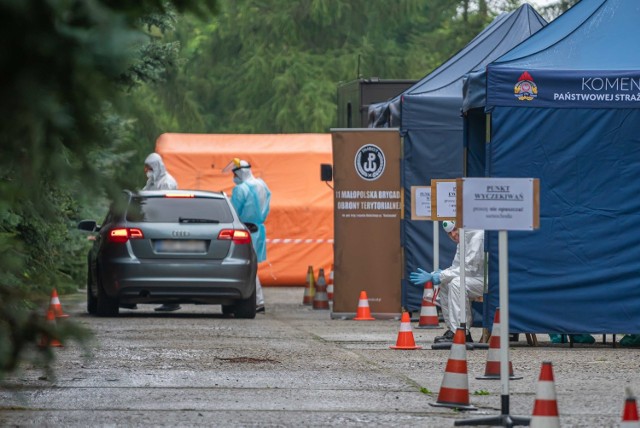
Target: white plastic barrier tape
(299, 241)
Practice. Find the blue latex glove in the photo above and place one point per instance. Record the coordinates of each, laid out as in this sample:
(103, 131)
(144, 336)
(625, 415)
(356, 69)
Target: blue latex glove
(419, 277)
(435, 277)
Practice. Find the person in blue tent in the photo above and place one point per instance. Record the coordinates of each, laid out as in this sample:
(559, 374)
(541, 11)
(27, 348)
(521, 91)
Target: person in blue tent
(251, 199)
(449, 279)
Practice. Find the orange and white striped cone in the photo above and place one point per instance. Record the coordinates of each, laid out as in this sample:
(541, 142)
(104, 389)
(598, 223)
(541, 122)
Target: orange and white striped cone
(405, 334)
(320, 299)
(363, 313)
(545, 408)
(310, 288)
(55, 305)
(428, 311)
(46, 341)
(630, 412)
(454, 391)
(330, 285)
(492, 368)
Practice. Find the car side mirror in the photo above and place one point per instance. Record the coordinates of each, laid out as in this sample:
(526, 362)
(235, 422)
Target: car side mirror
(326, 172)
(88, 226)
(252, 227)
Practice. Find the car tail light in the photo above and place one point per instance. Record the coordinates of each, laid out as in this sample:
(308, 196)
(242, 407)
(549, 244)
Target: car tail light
(238, 236)
(123, 234)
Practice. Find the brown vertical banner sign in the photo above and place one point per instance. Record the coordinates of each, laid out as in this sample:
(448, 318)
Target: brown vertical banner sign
(367, 214)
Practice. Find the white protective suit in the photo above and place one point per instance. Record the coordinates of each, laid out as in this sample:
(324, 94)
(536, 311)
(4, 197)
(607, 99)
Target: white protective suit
(449, 294)
(160, 179)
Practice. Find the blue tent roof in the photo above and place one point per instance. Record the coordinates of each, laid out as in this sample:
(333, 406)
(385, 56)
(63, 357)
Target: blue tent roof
(433, 133)
(503, 33)
(585, 58)
(593, 35)
(565, 108)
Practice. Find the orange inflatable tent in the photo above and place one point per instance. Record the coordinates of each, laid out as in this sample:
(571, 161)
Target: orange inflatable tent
(300, 223)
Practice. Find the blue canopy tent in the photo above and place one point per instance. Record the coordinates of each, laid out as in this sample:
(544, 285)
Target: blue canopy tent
(387, 114)
(565, 108)
(428, 114)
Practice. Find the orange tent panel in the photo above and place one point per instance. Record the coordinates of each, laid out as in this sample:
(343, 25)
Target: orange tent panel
(300, 223)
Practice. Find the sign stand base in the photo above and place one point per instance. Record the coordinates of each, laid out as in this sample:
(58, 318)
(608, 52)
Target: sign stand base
(503, 420)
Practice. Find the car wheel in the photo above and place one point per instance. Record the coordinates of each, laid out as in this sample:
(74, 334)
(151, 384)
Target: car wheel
(246, 308)
(107, 306)
(92, 302)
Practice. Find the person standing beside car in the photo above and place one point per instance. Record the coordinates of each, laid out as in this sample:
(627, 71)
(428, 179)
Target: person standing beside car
(251, 199)
(159, 179)
(157, 176)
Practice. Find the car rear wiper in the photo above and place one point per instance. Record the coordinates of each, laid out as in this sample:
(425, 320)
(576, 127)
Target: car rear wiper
(197, 220)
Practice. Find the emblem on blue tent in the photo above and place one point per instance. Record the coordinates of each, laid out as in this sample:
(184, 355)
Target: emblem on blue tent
(525, 89)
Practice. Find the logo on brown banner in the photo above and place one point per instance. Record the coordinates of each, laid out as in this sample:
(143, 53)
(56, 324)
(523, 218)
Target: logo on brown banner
(369, 162)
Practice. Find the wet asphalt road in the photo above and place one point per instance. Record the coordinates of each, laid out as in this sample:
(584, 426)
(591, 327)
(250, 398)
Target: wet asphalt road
(293, 366)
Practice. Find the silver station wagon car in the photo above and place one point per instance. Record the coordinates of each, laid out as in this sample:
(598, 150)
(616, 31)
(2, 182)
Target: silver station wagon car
(171, 247)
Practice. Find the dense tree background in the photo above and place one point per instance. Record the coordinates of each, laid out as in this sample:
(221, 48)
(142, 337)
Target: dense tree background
(88, 85)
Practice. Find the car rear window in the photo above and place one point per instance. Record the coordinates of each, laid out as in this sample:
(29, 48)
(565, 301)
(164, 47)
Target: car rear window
(175, 210)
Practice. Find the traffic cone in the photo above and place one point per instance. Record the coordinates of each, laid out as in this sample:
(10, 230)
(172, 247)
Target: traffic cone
(363, 313)
(630, 412)
(545, 408)
(46, 340)
(405, 335)
(320, 299)
(492, 369)
(55, 305)
(310, 288)
(330, 285)
(454, 391)
(428, 311)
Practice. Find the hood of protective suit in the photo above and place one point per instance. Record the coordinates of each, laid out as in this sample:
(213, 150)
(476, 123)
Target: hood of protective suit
(160, 179)
(241, 169)
(154, 161)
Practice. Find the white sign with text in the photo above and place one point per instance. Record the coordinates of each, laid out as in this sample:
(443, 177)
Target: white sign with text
(500, 203)
(422, 202)
(446, 202)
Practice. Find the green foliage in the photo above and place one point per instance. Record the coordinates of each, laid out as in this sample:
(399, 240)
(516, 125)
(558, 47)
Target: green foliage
(23, 330)
(555, 9)
(88, 85)
(63, 138)
(272, 67)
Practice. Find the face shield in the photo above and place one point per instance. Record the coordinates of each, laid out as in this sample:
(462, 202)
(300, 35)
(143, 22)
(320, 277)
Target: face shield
(233, 165)
(241, 170)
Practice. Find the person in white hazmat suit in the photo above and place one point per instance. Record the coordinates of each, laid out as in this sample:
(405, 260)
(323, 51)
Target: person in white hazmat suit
(159, 179)
(251, 199)
(157, 176)
(449, 279)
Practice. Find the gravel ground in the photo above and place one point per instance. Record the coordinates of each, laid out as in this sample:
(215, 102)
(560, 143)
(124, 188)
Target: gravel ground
(295, 366)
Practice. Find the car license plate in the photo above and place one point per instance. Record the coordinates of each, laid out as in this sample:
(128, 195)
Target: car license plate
(180, 246)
